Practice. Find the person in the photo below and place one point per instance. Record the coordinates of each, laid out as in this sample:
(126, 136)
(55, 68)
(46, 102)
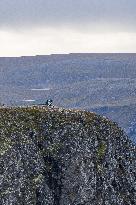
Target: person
(49, 102)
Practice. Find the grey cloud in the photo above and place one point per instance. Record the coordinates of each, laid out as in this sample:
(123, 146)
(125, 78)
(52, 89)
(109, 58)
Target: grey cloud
(23, 13)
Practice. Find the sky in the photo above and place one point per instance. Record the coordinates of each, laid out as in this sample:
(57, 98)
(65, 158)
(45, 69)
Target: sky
(40, 27)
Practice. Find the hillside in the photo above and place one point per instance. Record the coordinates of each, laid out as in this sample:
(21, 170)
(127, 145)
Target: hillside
(55, 156)
(126, 117)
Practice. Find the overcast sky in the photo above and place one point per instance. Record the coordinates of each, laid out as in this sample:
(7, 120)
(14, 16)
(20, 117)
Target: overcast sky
(33, 27)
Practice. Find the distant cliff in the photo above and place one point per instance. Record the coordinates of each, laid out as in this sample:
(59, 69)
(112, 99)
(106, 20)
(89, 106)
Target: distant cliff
(53, 156)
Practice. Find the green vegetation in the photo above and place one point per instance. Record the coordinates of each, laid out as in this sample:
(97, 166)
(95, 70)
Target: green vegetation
(101, 150)
(5, 145)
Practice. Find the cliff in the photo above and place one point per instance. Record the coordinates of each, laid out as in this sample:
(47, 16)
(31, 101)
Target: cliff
(53, 156)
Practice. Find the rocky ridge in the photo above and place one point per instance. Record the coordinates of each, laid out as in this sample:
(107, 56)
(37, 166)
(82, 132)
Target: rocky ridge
(54, 156)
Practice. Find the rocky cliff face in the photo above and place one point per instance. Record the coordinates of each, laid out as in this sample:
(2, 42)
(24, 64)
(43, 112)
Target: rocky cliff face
(52, 156)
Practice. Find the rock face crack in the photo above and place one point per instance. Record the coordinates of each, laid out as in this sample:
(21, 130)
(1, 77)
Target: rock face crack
(53, 175)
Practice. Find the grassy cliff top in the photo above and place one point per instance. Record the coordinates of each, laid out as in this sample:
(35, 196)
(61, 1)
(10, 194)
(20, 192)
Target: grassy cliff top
(27, 120)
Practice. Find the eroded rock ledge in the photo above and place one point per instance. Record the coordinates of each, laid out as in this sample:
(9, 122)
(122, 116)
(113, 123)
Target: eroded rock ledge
(53, 156)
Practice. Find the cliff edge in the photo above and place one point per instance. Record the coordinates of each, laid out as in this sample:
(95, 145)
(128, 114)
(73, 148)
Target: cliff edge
(53, 156)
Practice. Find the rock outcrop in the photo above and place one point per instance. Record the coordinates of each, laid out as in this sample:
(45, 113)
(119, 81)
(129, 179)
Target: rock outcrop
(52, 156)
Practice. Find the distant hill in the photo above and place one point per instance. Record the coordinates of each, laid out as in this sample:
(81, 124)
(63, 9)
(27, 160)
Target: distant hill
(86, 81)
(65, 157)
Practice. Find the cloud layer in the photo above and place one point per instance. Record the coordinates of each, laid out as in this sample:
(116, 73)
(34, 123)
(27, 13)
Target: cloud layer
(32, 27)
(72, 13)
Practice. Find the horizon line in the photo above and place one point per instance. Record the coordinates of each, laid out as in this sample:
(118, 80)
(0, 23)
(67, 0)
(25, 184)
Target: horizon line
(61, 54)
